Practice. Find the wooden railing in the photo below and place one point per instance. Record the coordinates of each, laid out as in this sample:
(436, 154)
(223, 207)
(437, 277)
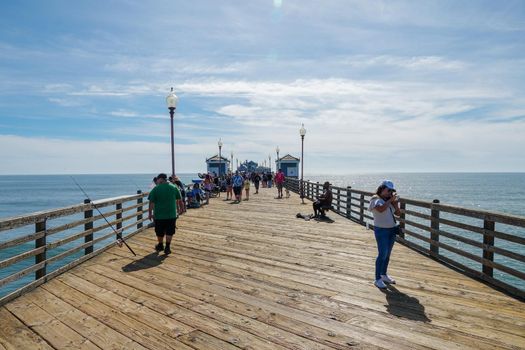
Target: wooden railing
(70, 242)
(475, 242)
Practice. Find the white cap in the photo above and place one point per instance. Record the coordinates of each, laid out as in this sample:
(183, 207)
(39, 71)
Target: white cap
(388, 184)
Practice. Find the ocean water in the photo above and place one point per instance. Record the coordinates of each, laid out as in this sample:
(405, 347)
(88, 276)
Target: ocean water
(501, 192)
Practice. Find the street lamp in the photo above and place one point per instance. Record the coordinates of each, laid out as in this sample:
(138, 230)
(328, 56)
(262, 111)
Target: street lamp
(278, 159)
(270, 162)
(171, 101)
(220, 159)
(302, 132)
(231, 154)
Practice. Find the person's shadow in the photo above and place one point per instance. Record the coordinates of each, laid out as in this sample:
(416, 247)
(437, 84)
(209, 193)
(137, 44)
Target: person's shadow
(403, 305)
(146, 262)
(325, 219)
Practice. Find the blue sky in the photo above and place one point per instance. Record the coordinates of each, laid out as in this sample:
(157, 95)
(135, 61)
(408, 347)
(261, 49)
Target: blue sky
(380, 85)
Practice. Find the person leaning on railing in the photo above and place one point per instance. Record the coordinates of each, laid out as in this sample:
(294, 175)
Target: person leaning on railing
(384, 205)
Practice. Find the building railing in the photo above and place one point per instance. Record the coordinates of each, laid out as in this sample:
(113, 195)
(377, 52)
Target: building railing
(78, 231)
(484, 245)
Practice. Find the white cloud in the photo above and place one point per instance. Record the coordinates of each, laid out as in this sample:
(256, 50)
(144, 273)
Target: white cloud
(30, 155)
(124, 113)
(67, 102)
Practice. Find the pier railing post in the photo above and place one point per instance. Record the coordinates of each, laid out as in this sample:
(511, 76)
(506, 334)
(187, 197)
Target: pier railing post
(307, 189)
(434, 225)
(349, 202)
(317, 190)
(402, 206)
(488, 241)
(362, 208)
(118, 217)
(88, 226)
(338, 200)
(40, 242)
(139, 210)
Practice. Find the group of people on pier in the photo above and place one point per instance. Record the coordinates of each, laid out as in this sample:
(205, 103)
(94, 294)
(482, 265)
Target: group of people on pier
(167, 202)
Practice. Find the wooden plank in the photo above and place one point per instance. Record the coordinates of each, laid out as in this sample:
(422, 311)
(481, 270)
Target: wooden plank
(137, 311)
(201, 340)
(55, 332)
(15, 335)
(155, 297)
(112, 317)
(87, 326)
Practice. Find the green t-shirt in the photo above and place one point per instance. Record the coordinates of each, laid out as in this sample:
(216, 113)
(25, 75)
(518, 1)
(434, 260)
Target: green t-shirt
(165, 198)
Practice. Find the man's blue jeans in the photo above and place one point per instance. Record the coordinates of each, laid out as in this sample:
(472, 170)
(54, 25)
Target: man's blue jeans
(385, 238)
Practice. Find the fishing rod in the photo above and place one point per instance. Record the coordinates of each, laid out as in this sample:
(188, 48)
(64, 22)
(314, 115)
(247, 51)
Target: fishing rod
(120, 240)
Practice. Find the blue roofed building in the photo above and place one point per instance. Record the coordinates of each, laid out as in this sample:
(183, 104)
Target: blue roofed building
(289, 164)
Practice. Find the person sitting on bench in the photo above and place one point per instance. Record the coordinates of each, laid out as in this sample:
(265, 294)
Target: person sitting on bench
(324, 201)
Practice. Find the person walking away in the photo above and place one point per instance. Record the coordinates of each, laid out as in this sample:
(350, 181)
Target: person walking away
(256, 182)
(208, 186)
(264, 180)
(270, 179)
(181, 204)
(238, 182)
(229, 187)
(217, 183)
(324, 201)
(163, 211)
(247, 187)
(384, 205)
(279, 182)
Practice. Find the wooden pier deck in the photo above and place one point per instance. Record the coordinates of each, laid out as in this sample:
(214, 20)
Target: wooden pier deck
(252, 276)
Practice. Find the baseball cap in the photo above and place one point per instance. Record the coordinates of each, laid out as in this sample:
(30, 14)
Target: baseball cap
(388, 184)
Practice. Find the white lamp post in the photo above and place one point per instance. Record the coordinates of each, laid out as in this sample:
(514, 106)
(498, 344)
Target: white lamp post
(220, 159)
(302, 132)
(278, 159)
(171, 101)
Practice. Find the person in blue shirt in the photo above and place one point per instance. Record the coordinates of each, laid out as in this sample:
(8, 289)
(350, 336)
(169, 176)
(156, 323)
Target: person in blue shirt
(238, 182)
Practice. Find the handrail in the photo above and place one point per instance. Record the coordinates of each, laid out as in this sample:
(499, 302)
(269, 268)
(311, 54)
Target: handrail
(421, 229)
(65, 248)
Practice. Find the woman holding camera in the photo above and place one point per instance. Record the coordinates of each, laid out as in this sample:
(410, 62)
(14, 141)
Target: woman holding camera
(384, 205)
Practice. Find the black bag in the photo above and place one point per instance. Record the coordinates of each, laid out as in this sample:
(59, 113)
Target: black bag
(396, 228)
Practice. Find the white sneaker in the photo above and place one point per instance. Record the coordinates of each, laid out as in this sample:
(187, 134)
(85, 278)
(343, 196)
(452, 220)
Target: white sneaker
(388, 279)
(380, 284)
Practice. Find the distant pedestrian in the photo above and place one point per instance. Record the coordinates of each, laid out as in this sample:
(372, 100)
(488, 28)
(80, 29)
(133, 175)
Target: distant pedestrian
(229, 187)
(269, 177)
(256, 182)
(279, 182)
(208, 186)
(264, 180)
(238, 183)
(384, 205)
(247, 187)
(217, 183)
(181, 205)
(163, 211)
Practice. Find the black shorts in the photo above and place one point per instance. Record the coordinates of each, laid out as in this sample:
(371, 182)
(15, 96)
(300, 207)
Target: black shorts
(165, 227)
(237, 190)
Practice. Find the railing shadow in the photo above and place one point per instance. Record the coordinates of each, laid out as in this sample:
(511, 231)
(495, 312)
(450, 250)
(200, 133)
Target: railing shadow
(151, 260)
(404, 306)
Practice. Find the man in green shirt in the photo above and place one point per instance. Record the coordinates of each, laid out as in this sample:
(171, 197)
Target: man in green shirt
(163, 210)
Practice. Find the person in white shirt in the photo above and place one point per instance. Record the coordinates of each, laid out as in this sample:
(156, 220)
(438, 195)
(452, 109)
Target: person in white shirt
(384, 205)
